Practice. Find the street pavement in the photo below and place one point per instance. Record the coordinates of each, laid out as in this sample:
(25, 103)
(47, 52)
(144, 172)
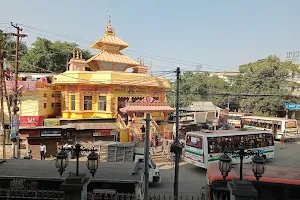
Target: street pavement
(192, 178)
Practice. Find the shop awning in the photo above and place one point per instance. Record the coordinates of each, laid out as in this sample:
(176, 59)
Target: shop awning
(84, 126)
(152, 107)
(48, 127)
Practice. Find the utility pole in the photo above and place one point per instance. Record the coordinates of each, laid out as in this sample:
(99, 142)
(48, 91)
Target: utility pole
(15, 108)
(2, 129)
(176, 147)
(146, 156)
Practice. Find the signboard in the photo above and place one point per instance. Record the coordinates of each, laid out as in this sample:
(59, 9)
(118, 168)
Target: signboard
(121, 89)
(29, 133)
(31, 121)
(292, 106)
(51, 132)
(102, 132)
(51, 122)
(15, 123)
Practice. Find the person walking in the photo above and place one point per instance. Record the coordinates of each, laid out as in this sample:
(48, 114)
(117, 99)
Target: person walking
(282, 140)
(43, 151)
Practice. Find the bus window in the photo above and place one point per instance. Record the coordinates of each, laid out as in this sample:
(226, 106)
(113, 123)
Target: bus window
(194, 141)
(269, 140)
(214, 145)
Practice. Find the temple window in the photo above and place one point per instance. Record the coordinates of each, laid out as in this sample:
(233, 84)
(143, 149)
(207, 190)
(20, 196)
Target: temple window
(73, 101)
(102, 103)
(87, 103)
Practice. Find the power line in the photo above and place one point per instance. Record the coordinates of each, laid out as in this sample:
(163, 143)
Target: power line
(161, 58)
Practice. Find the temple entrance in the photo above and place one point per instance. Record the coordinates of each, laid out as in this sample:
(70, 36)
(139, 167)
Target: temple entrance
(122, 102)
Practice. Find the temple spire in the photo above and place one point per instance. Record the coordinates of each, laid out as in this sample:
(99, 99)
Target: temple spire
(109, 29)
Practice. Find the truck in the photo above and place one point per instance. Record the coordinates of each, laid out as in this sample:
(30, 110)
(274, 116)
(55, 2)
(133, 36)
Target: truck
(128, 152)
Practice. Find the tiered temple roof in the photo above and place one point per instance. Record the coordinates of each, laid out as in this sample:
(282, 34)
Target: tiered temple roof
(110, 57)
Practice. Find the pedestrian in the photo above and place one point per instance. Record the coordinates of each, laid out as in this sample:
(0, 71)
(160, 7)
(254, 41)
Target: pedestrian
(43, 151)
(282, 140)
(143, 129)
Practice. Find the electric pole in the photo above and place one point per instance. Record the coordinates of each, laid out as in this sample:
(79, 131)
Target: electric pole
(176, 147)
(292, 56)
(146, 156)
(2, 129)
(15, 122)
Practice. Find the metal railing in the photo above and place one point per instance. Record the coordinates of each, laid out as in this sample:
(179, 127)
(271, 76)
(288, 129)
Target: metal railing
(8, 194)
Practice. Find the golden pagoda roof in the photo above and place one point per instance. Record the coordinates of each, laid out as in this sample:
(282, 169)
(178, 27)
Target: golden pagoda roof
(110, 40)
(111, 60)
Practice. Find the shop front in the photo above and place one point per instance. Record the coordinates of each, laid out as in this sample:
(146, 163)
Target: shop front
(51, 137)
(105, 135)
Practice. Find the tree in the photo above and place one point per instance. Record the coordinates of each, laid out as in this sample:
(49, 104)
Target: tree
(269, 76)
(9, 45)
(47, 56)
(200, 87)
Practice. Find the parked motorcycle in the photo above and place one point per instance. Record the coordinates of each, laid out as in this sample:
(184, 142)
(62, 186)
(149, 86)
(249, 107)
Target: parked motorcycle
(29, 156)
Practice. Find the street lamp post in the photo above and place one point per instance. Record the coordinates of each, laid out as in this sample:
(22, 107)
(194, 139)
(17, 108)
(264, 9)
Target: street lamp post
(258, 162)
(62, 159)
(75, 185)
(241, 189)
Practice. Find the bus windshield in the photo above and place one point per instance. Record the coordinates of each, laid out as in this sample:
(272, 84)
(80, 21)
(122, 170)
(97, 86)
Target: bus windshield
(194, 141)
(234, 117)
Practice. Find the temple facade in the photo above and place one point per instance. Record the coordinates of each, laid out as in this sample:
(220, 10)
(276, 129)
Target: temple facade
(111, 85)
(103, 98)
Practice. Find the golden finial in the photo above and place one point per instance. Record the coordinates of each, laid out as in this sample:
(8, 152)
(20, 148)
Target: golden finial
(80, 54)
(73, 53)
(77, 55)
(109, 22)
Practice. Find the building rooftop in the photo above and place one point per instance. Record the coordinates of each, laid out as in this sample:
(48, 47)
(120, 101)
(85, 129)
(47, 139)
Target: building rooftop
(46, 170)
(110, 78)
(110, 57)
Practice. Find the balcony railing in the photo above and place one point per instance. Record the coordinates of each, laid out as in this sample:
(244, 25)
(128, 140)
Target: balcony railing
(26, 85)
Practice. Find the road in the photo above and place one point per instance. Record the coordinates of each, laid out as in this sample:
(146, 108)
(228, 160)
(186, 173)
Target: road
(191, 178)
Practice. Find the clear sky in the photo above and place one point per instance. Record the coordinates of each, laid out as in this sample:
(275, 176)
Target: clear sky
(169, 33)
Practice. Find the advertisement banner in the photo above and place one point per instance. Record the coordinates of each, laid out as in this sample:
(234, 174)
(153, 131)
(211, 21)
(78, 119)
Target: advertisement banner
(51, 122)
(15, 123)
(102, 132)
(51, 132)
(292, 106)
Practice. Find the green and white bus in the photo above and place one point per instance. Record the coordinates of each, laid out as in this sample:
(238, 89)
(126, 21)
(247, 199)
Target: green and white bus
(278, 126)
(204, 147)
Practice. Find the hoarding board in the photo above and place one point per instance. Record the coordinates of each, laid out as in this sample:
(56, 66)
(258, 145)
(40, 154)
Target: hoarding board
(15, 123)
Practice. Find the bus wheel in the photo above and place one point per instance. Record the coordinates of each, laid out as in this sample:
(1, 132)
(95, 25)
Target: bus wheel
(264, 157)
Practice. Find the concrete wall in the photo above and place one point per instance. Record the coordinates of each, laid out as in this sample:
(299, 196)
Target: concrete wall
(9, 151)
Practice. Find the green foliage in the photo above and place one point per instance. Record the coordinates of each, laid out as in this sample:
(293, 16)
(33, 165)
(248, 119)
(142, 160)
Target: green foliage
(200, 87)
(47, 56)
(269, 76)
(9, 46)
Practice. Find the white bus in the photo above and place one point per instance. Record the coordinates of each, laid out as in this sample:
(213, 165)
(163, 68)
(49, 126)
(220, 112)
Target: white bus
(204, 147)
(235, 118)
(278, 126)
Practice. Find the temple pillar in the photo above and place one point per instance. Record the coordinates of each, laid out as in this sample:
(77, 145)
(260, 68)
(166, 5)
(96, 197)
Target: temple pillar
(78, 107)
(166, 130)
(109, 102)
(130, 127)
(66, 93)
